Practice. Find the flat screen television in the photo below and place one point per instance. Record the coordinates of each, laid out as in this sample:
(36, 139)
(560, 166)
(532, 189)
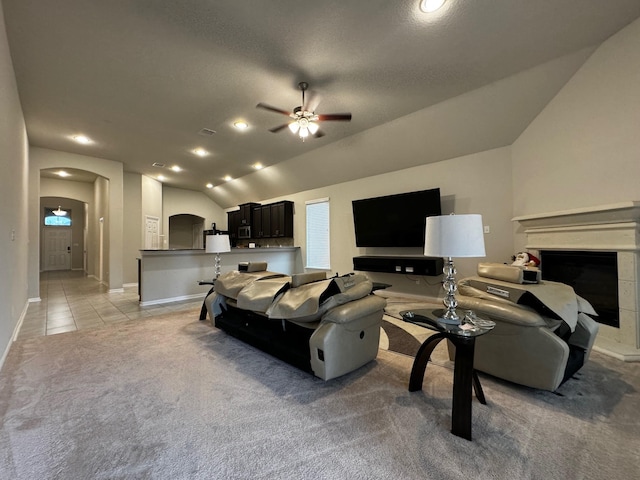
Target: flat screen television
(394, 220)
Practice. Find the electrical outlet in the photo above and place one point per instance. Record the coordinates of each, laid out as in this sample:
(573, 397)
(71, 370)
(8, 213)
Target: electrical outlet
(487, 229)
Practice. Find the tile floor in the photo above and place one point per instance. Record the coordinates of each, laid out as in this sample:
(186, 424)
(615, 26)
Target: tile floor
(72, 301)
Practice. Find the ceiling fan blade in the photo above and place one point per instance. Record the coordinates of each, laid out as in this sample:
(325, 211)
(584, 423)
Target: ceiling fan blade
(346, 117)
(312, 100)
(278, 128)
(272, 109)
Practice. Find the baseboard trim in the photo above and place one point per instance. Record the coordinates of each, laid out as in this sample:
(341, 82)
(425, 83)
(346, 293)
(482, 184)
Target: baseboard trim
(15, 333)
(623, 353)
(127, 285)
(116, 290)
(173, 299)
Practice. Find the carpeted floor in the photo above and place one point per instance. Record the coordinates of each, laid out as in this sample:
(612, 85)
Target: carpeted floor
(174, 398)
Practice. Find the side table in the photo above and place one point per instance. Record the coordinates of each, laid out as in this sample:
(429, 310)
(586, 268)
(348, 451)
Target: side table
(203, 310)
(465, 377)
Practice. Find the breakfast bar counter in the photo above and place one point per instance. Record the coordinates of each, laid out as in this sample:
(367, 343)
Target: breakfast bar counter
(173, 275)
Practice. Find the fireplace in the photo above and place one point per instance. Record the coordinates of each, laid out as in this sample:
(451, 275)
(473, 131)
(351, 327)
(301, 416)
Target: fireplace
(608, 235)
(593, 276)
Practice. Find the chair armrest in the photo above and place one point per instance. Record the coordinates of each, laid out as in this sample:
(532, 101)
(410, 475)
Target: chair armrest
(353, 310)
(504, 312)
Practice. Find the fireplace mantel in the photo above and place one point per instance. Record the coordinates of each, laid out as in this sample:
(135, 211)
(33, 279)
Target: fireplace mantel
(624, 212)
(613, 228)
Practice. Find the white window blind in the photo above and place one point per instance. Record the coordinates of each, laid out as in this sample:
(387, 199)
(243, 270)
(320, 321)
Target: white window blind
(318, 253)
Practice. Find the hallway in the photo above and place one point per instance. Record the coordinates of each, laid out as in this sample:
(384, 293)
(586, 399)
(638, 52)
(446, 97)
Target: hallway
(72, 301)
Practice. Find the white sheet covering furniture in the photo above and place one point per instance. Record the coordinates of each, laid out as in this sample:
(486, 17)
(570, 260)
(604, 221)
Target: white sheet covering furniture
(543, 334)
(326, 326)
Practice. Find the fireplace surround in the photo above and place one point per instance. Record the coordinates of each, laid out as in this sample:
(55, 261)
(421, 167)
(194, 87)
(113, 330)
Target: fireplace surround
(607, 228)
(592, 274)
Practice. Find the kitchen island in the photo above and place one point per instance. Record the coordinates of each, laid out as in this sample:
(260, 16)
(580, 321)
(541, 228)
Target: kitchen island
(172, 275)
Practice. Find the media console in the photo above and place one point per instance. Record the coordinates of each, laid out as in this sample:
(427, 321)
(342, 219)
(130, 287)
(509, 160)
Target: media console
(399, 264)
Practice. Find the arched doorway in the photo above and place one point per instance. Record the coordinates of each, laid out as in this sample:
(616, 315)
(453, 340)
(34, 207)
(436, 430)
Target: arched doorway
(186, 231)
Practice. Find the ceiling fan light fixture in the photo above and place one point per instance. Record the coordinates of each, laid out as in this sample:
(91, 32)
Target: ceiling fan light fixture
(294, 127)
(428, 6)
(313, 128)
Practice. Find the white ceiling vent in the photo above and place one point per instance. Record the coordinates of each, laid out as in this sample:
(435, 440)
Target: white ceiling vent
(156, 164)
(207, 132)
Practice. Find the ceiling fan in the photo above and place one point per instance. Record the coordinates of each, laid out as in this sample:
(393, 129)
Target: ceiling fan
(305, 120)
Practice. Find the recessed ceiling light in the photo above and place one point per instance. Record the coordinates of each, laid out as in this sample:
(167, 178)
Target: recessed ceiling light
(240, 125)
(228, 178)
(429, 6)
(201, 152)
(63, 174)
(84, 140)
(209, 185)
(176, 168)
(258, 166)
(162, 178)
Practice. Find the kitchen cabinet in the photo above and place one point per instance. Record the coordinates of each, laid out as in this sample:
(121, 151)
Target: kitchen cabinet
(246, 213)
(281, 219)
(261, 223)
(233, 222)
(272, 220)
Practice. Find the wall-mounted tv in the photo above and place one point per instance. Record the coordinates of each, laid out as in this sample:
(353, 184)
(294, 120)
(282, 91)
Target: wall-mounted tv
(394, 220)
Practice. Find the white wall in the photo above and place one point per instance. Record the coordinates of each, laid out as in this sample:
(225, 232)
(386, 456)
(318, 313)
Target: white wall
(583, 149)
(478, 183)
(177, 200)
(132, 230)
(14, 233)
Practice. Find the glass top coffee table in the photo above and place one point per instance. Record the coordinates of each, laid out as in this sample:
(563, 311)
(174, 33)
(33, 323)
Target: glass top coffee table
(465, 378)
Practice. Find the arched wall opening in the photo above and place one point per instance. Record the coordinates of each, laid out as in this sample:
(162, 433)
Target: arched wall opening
(104, 199)
(186, 231)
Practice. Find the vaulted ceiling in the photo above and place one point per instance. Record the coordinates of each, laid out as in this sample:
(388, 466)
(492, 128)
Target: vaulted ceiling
(143, 78)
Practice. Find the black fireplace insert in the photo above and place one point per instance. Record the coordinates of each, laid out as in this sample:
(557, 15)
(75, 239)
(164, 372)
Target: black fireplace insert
(593, 276)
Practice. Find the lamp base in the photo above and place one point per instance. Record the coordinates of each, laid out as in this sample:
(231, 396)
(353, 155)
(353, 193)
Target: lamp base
(445, 316)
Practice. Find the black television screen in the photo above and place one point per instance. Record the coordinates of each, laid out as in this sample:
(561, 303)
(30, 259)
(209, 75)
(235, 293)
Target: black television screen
(394, 220)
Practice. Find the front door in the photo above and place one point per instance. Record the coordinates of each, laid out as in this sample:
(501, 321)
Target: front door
(57, 249)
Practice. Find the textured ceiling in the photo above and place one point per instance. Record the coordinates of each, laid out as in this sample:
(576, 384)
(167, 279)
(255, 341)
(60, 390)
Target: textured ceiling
(143, 77)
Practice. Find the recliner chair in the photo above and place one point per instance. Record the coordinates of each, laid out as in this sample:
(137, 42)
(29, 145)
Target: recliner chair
(532, 344)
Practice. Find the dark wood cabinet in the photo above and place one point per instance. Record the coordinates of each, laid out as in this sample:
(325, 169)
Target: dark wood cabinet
(273, 220)
(281, 219)
(261, 223)
(233, 222)
(246, 213)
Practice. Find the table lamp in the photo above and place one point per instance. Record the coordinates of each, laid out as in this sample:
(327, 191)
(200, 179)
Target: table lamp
(453, 236)
(217, 244)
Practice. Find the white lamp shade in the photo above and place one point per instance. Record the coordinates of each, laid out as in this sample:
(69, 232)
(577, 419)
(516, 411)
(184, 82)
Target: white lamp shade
(217, 244)
(454, 236)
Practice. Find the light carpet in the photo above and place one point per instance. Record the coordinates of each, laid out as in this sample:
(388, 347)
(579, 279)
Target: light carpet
(171, 397)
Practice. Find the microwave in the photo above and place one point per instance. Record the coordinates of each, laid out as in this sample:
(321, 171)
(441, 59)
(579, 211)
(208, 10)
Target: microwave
(244, 231)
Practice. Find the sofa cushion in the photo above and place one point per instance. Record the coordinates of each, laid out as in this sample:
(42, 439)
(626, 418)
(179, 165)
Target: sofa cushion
(231, 283)
(310, 301)
(298, 279)
(259, 295)
(252, 266)
(508, 273)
